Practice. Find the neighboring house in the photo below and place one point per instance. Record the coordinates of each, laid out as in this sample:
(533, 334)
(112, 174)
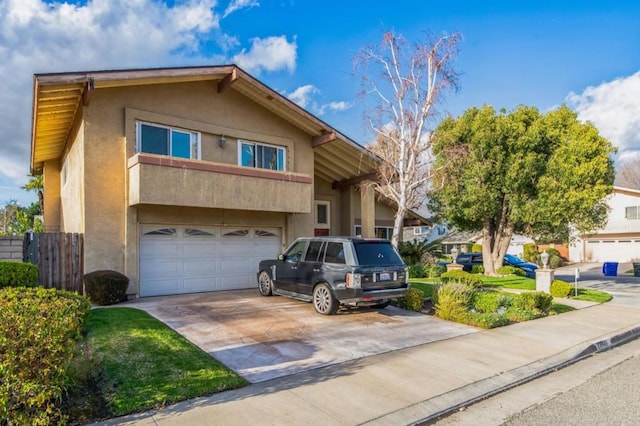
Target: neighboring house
(619, 240)
(460, 240)
(184, 178)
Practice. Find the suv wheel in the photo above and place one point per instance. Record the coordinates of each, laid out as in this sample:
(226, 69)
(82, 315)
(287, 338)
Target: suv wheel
(323, 300)
(265, 286)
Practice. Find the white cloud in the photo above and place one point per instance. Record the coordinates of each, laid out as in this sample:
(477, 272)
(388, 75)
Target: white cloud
(334, 107)
(239, 4)
(268, 54)
(38, 36)
(614, 108)
(302, 95)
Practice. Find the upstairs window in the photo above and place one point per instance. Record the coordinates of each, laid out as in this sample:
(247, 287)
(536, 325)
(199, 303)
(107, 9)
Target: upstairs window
(261, 156)
(163, 140)
(632, 212)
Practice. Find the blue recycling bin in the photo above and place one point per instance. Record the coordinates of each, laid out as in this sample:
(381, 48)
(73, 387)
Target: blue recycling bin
(610, 269)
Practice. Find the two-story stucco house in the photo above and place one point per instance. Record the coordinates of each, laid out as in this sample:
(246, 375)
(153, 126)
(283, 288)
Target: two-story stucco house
(184, 178)
(619, 240)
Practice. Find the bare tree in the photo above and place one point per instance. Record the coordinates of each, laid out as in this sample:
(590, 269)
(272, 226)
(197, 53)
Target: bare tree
(628, 174)
(406, 81)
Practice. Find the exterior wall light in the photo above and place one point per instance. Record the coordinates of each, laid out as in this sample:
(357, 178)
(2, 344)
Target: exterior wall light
(222, 142)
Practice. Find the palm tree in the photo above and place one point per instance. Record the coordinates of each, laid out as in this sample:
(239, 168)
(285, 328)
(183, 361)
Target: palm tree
(36, 183)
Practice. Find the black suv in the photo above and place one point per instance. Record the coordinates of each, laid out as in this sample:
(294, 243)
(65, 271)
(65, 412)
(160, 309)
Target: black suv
(334, 271)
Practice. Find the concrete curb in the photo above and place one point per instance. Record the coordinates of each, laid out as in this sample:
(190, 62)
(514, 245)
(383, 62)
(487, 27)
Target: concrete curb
(428, 411)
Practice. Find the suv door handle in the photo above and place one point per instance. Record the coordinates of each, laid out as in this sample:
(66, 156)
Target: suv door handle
(316, 270)
(294, 267)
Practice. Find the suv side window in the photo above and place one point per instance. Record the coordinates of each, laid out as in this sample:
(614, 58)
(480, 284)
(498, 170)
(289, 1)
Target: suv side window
(463, 258)
(313, 251)
(295, 253)
(334, 253)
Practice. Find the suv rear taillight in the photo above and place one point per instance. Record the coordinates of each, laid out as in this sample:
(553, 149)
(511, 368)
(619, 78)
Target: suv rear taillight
(354, 280)
(404, 275)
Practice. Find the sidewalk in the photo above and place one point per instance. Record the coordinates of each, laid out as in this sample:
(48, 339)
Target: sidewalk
(415, 384)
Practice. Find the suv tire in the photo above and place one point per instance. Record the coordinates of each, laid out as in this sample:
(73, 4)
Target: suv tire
(265, 285)
(323, 300)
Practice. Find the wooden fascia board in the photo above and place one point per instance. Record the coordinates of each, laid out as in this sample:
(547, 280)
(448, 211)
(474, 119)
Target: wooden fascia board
(354, 180)
(323, 139)
(228, 80)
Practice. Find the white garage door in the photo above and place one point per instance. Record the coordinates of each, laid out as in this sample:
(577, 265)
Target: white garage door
(191, 259)
(623, 250)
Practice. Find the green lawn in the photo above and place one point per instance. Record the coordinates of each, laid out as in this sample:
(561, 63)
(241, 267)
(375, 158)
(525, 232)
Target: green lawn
(143, 364)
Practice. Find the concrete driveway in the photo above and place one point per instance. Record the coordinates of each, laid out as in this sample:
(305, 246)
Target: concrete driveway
(625, 288)
(262, 338)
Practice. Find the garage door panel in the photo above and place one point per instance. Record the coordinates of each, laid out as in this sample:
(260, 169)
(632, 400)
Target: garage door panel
(201, 267)
(175, 259)
(612, 250)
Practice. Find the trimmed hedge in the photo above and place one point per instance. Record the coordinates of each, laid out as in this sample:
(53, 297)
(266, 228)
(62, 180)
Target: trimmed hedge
(39, 330)
(534, 301)
(106, 287)
(560, 288)
(477, 269)
(462, 277)
(18, 274)
(511, 270)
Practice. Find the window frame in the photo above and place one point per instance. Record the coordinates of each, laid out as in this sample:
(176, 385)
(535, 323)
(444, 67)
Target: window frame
(317, 204)
(195, 137)
(629, 209)
(255, 144)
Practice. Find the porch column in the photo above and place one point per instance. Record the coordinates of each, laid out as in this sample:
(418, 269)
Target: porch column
(368, 213)
(51, 211)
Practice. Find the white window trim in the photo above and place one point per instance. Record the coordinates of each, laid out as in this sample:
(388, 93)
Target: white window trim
(283, 148)
(192, 133)
(315, 214)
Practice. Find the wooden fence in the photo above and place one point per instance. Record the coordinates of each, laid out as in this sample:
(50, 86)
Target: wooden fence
(59, 257)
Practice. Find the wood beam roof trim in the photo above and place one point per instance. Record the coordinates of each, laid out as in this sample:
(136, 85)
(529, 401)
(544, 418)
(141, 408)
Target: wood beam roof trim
(323, 139)
(354, 180)
(228, 80)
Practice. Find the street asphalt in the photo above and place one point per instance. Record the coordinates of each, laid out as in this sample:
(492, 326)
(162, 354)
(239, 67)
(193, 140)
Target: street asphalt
(421, 383)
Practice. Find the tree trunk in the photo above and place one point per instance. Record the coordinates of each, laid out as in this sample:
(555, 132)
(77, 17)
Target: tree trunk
(397, 226)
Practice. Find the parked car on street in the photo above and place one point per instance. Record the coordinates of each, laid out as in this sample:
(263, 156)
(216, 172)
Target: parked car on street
(467, 260)
(334, 271)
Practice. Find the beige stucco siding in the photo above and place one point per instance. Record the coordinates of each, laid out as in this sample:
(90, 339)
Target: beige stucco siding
(111, 232)
(72, 186)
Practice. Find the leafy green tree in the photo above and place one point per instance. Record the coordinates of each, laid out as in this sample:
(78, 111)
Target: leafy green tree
(36, 184)
(520, 172)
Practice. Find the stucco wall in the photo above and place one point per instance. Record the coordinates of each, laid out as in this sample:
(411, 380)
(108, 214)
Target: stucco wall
(111, 235)
(72, 185)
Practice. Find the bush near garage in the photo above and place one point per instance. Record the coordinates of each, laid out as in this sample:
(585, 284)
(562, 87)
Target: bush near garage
(555, 260)
(106, 287)
(560, 288)
(530, 253)
(413, 301)
(416, 271)
(39, 330)
(462, 277)
(18, 274)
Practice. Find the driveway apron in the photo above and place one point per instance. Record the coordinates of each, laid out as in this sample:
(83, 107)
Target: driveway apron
(262, 338)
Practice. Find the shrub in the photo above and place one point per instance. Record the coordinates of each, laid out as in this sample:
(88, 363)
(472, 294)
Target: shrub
(39, 329)
(555, 261)
(488, 320)
(452, 301)
(416, 271)
(412, 252)
(413, 301)
(461, 277)
(560, 288)
(476, 248)
(477, 269)
(18, 274)
(106, 287)
(530, 253)
(511, 270)
(437, 270)
(533, 301)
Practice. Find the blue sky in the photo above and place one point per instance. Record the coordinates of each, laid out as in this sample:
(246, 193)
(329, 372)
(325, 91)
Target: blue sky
(584, 53)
